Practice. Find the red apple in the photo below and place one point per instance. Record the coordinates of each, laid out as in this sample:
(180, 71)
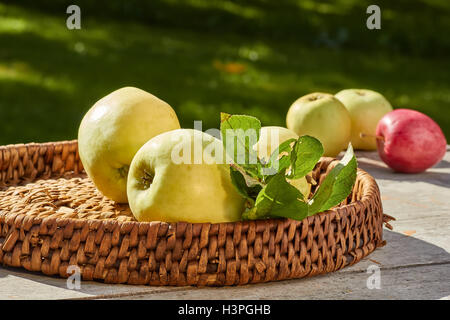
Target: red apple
(409, 141)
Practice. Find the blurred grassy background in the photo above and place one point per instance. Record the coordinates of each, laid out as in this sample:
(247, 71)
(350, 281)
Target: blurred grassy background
(205, 56)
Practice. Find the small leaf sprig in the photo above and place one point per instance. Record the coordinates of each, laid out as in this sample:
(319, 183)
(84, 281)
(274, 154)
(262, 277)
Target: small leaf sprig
(265, 183)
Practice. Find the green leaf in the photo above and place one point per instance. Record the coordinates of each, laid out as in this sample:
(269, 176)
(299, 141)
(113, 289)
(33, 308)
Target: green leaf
(239, 134)
(238, 180)
(270, 195)
(246, 186)
(278, 199)
(337, 185)
(254, 190)
(306, 152)
(277, 163)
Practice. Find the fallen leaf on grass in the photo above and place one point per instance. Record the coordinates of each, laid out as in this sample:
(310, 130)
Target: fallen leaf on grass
(230, 67)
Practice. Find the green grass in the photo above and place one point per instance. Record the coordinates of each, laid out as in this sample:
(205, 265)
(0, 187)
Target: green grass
(50, 76)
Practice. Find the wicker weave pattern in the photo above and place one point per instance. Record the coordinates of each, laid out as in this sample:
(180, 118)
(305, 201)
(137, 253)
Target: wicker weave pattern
(65, 197)
(51, 217)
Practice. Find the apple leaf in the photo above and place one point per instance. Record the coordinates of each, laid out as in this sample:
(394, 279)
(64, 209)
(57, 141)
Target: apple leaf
(278, 199)
(306, 152)
(264, 183)
(277, 163)
(337, 185)
(248, 188)
(239, 134)
(238, 180)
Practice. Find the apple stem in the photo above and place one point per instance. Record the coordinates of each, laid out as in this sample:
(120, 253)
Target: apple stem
(123, 171)
(147, 179)
(366, 135)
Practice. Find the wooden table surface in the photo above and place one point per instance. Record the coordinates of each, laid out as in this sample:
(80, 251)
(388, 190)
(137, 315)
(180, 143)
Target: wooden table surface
(415, 263)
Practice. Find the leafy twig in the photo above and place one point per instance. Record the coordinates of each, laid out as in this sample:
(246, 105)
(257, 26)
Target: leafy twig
(266, 186)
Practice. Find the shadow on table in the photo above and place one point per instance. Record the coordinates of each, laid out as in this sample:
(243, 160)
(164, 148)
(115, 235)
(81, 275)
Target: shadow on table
(444, 164)
(89, 288)
(411, 250)
(380, 171)
(401, 252)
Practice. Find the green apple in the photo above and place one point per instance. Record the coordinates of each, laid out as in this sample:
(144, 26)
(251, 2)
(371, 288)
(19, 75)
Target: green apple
(114, 129)
(183, 175)
(366, 108)
(324, 117)
(269, 140)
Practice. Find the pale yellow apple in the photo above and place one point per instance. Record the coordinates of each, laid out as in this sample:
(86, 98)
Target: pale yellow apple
(324, 117)
(183, 175)
(114, 129)
(366, 108)
(269, 140)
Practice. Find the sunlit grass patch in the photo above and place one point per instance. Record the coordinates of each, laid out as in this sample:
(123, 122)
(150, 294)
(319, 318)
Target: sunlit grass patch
(50, 76)
(20, 72)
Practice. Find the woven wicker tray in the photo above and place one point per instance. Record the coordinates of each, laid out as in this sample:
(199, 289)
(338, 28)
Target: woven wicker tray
(52, 216)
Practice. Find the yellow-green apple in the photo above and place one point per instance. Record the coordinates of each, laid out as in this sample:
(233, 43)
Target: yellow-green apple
(324, 117)
(183, 175)
(114, 129)
(366, 108)
(269, 140)
(410, 141)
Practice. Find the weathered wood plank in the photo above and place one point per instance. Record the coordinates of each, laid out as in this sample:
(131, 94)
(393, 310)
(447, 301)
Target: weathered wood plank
(414, 263)
(411, 196)
(18, 284)
(422, 282)
(402, 252)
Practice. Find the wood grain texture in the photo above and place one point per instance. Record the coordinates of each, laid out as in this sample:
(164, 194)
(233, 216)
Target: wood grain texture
(412, 266)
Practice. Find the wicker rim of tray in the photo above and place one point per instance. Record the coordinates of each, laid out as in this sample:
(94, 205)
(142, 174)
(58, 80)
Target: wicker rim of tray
(108, 249)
